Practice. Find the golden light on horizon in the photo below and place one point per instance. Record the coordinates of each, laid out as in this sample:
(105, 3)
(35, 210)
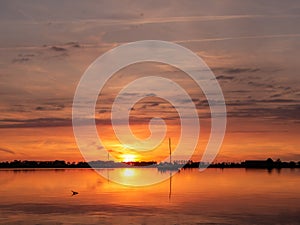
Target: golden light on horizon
(129, 157)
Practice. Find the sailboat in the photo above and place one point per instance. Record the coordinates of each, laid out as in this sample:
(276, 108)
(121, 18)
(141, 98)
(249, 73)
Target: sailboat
(169, 166)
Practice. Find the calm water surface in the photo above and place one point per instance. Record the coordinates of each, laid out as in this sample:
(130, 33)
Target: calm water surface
(215, 196)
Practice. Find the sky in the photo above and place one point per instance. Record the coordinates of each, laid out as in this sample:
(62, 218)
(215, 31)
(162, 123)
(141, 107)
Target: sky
(251, 46)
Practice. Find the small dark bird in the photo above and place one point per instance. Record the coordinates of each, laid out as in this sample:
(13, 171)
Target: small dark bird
(74, 193)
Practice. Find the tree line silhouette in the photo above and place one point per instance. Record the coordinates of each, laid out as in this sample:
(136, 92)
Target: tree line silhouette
(268, 164)
(43, 164)
(64, 164)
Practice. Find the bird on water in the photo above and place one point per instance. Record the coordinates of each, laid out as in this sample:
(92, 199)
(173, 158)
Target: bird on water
(74, 193)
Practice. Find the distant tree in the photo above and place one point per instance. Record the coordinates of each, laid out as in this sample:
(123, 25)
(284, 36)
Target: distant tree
(269, 160)
(278, 163)
(292, 164)
(270, 163)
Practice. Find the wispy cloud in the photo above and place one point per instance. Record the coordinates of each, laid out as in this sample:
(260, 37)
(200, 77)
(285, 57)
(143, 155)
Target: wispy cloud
(7, 150)
(292, 35)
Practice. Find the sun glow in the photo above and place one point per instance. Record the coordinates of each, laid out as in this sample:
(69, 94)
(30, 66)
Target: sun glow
(128, 172)
(128, 158)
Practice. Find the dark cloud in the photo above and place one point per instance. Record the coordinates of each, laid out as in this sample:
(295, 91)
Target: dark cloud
(254, 131)
(238, 70)
(239, 91)
(247, 102)
(37, 122)
(21, 58)
(146, 119)
(50, 107)
(257, 84)
(130, 94)
(239, 103)
(50, 122)
(150, 105)
(19, 108)
(58, 101)
(281, 113)
(73, 44)
(276, 95)
(7, 150)
(204, 102)
(222, 77)
(64, 47)
(275, 109)
(285, 88)
(58, 49)
(154, 104)
(40, 108)
(278, 100)
(27, 55)
(103, 111)
(242, 70)
(151, 95)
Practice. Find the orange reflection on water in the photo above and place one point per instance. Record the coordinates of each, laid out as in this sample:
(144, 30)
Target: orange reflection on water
(213, 196)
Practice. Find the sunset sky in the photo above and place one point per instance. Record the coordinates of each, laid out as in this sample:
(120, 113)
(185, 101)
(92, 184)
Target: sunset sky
(253, 48)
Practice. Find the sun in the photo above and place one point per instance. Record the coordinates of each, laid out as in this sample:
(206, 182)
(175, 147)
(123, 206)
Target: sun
(128, 158)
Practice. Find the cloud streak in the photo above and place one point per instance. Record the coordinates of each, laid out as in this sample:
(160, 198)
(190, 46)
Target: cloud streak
(7, 151)
(270, 36)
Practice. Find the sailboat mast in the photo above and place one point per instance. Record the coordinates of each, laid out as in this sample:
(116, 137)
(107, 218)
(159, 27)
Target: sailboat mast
(170, 150)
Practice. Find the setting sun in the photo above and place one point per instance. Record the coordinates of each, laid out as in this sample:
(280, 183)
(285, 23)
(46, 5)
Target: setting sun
(128, 158)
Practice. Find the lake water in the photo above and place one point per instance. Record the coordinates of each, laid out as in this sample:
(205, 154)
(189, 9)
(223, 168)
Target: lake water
(215, 196)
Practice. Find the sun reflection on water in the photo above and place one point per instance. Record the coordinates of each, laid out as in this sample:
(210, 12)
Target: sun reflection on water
(128, 172)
